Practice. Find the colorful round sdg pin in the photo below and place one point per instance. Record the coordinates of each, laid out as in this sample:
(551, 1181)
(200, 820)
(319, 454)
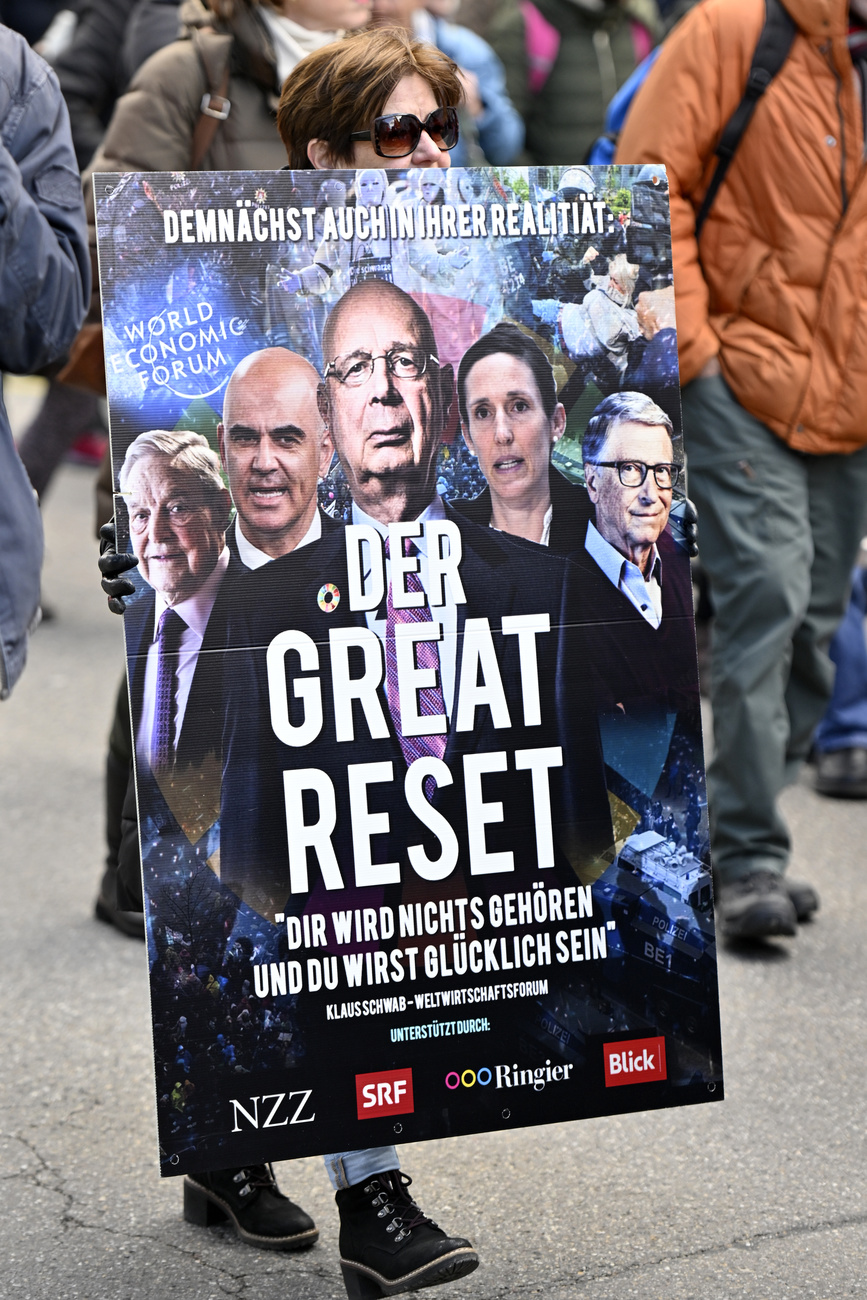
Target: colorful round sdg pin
(328, 598)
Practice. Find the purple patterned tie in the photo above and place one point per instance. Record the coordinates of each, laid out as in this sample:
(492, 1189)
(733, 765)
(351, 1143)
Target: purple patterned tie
(169, 632)
(427, 655)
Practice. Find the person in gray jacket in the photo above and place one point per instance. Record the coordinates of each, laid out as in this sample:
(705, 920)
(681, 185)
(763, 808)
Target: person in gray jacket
(44, 292)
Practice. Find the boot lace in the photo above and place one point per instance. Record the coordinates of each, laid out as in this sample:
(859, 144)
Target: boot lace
(255, 1178)
(391, 1197)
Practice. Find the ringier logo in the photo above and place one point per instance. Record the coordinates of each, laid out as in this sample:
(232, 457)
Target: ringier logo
(640, 1060)
(388, 1092)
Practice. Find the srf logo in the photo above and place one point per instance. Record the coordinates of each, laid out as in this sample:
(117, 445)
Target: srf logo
(640, 1060)
(388, 1092)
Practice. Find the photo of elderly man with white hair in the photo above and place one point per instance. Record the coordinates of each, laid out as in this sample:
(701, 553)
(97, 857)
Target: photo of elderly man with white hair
(178, 511)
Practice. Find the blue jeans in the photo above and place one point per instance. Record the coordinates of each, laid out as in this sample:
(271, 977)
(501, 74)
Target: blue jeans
(346, 1168)
(844, 725)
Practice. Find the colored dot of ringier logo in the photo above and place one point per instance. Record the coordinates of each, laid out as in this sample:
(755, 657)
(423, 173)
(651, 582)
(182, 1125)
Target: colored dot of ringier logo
(328, 598)
(468, 1078)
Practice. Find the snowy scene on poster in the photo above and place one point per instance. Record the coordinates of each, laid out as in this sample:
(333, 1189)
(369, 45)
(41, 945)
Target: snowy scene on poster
(411, 658)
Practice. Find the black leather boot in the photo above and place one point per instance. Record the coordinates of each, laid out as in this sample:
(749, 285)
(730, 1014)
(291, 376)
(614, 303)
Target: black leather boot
(106, 908)
(387, 1245)
(252, 1201)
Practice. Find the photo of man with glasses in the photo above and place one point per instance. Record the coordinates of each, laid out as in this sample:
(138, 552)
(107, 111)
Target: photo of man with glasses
(630, 472)
(636, 580)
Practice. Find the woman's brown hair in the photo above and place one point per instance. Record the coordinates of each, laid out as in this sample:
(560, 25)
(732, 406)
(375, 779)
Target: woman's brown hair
(229, 9)
(343, 87)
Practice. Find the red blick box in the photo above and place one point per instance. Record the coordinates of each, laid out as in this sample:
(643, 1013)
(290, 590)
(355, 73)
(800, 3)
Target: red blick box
(639, 1060)
(387, 1092)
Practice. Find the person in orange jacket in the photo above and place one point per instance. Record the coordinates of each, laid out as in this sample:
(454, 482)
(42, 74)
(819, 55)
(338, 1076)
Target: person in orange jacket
(773, 363)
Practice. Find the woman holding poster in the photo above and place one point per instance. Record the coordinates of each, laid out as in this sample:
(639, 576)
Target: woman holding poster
(406, 92)
(413, 787)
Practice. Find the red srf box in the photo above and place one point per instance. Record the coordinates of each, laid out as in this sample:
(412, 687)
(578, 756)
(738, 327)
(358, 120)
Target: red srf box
(389, 1092)
(638, 1060)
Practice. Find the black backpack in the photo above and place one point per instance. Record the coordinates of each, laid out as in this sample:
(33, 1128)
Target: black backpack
(770, 55)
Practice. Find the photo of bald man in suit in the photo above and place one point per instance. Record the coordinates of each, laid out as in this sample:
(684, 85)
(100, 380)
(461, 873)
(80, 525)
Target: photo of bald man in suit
(274, 447)
(388, 398)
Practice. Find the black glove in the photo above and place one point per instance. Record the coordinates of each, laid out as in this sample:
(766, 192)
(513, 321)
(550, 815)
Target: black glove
(689, 521)
(112, 566)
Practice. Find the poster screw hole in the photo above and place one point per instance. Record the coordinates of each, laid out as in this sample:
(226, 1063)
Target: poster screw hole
(398, 1128)
(506, 1114)
(711, 1087)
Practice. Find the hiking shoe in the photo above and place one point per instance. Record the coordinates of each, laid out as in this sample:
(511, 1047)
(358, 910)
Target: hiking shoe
(804, 898)
(756, 906)
(842, 773)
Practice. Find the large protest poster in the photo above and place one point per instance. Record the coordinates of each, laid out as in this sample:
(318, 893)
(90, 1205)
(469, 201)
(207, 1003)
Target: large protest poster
(412, 659)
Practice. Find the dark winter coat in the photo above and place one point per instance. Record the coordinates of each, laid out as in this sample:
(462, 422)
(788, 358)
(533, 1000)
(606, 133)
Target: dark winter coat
(152, 126)
(91, 74)
(153, 123)
(595, 57)
(93, 77)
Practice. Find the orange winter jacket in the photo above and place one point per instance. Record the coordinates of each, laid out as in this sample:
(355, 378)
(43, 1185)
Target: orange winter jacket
(778, 286)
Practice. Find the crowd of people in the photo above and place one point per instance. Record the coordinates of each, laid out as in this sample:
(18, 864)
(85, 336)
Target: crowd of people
(206, 997)
(760, 388)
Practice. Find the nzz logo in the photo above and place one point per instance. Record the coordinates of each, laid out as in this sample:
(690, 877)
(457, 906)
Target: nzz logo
(270, 1120)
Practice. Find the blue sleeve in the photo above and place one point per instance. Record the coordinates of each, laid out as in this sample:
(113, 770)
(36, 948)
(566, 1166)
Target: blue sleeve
(44, 258)
(20, 559)
(501, 128)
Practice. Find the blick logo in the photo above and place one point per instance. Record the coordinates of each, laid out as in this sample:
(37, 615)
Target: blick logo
(388, 1092)
(640, 1060)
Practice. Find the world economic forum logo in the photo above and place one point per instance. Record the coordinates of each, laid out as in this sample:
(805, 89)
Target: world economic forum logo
(189, 349)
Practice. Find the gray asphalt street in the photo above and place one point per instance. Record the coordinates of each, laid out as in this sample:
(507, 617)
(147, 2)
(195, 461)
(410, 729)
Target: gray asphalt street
(761, 1196)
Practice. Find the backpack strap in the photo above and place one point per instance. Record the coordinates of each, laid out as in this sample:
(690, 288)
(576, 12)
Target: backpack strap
(771, 53)
(215, 107)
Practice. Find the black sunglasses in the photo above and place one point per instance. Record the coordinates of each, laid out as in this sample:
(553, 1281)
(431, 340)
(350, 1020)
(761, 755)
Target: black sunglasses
(397, 134)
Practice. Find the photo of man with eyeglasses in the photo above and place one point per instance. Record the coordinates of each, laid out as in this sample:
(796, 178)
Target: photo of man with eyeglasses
(386, 420)
(635, 578)
(629, 471)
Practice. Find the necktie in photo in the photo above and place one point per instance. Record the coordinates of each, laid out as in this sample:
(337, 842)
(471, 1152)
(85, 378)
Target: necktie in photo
(169, 632)
(430, 698)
